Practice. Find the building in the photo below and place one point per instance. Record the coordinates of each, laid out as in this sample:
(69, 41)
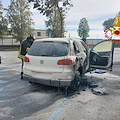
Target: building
(9, 40)
(40, 34)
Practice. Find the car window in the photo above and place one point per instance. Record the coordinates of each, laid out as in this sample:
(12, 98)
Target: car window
(48, 49)
(103, 46)
(84, 47)
(76, 48)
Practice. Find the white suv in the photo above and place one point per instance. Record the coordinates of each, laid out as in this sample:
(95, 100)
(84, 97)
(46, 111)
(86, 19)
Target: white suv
(62, 62)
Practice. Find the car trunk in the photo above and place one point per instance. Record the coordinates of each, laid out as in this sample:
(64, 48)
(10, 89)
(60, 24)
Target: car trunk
(46, 58)
(44, 64)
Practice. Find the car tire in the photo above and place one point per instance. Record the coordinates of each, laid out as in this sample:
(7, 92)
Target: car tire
(81, 71)
(66, 91)
(76, 82)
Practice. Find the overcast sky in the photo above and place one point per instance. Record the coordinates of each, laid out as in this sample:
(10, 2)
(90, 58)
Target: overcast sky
(95, 11)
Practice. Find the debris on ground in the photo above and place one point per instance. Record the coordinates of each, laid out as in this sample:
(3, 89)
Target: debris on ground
(99, 92)
(98, 71)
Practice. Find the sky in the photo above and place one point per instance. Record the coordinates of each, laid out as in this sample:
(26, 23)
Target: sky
(95, 11)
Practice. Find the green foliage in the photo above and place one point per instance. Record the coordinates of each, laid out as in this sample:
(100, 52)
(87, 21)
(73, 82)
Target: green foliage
(20, 19)
(3, 28)
(3, 24)
(109, 23)
(83, 29)
(46, 7)
(53, 24)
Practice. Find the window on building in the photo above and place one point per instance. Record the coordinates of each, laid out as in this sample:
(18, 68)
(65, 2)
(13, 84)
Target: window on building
(9, 32)
(38, 33)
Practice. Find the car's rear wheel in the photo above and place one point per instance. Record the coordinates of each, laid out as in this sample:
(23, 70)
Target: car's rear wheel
(66, 91)
(76, 82)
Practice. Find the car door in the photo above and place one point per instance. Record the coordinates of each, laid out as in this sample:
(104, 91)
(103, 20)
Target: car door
(79, 53)
(101, 55)
(86, 51)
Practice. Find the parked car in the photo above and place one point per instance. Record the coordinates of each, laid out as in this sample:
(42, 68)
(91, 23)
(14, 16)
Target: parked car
(62, 62)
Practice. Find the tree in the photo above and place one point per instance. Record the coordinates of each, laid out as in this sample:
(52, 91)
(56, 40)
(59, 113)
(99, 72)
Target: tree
(83, 29)
(109, 23)
(46, 7)
(3, 24)
(53, 24)
(20, 19)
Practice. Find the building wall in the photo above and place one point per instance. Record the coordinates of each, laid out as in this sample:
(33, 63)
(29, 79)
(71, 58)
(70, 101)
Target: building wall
(38, 35)
(10, 41)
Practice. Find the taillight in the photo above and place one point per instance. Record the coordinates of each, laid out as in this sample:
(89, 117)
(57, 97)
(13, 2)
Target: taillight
(26, 59)
(68, 61)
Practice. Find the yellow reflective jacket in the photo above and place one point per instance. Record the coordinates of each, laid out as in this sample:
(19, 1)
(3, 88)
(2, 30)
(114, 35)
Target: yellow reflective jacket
(24, 48)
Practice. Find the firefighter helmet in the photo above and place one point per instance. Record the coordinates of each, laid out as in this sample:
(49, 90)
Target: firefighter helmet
(32, 36)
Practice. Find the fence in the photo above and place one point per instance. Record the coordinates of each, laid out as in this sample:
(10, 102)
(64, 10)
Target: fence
(13, 42)
(93, 41)
(9, 41)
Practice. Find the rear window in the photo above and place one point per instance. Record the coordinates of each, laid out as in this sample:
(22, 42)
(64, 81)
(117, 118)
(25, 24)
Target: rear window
(48, 49)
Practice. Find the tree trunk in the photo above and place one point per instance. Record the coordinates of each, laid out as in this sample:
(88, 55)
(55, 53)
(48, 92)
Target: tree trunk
(21, 15)
(61, 21)
(2, 41)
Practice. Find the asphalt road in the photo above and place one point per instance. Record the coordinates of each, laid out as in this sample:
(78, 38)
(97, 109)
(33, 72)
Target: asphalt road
(19, 98)
(116, 62)
(96, 99)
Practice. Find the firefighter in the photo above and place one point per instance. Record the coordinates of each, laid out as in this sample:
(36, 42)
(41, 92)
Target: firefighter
(25, 45)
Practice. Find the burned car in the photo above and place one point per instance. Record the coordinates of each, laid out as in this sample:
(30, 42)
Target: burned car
(62, 62)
